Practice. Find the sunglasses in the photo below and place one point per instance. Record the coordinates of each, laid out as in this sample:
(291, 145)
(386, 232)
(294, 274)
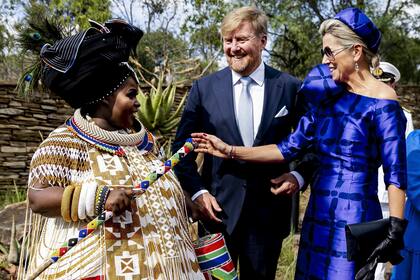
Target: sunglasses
(332, 53)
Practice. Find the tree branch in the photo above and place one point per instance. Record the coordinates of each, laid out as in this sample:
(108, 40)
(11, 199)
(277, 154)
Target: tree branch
(386, 8)
(333, 6)
(313, 4)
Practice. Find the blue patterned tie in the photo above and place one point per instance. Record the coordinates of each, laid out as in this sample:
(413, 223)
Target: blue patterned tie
(245, 113)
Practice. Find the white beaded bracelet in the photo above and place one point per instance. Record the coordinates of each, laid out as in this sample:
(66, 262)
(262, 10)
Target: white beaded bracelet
(81, 210)
(90, 198)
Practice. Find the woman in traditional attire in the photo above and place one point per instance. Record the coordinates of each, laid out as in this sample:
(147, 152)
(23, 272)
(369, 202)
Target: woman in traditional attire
(354, 126)
(92, 162)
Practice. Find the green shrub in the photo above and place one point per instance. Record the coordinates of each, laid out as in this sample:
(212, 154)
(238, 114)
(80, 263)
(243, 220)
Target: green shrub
(12, 194)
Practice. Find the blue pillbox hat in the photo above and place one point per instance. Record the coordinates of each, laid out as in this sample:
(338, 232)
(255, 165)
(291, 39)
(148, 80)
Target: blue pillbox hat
(357, 21)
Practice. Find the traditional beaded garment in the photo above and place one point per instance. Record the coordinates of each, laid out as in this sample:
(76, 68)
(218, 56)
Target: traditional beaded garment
(149, 242)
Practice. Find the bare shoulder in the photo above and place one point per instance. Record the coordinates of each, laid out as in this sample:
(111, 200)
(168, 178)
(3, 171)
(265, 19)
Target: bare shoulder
(386, 92)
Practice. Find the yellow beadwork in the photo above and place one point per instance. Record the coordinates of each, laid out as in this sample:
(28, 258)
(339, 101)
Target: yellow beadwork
(75, 203)
(66, 202)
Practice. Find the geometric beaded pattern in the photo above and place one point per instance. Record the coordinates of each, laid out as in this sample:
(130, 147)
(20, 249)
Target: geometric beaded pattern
(154, 234)
(139, 244)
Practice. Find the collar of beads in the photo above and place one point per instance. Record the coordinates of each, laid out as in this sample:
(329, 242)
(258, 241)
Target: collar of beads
(109, 141)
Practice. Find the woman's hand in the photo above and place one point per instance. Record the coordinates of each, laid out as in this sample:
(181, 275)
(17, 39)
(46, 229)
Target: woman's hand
(118, 201)
(387, 251)
(210, 144)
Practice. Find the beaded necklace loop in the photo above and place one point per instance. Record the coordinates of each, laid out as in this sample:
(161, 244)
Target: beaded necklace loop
(109, 141)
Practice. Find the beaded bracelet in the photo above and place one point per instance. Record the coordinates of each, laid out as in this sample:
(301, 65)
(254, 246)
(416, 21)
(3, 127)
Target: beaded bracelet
(75, 203)
(90, 198)
(230, 155)
(104, 197)
(82, 203)
(66, 202)
(97, 198)
(102, 194)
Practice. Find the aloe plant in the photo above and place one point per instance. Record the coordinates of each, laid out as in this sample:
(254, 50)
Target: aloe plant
(158, 113)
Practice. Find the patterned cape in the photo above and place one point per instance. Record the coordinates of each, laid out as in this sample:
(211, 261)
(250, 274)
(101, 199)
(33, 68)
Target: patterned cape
(149, 242)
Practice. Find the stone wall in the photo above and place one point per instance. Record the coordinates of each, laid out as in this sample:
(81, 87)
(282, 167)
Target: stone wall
(410, 99)
(25, 122)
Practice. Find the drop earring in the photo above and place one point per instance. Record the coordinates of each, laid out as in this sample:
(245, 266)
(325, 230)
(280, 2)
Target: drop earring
(356, 66)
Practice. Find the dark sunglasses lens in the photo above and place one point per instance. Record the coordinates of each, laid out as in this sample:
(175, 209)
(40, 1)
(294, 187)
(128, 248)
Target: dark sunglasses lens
(326, 51)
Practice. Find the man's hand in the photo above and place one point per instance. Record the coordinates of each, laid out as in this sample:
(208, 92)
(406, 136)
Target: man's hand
(285, 184)
(209, 206)
(195, 210)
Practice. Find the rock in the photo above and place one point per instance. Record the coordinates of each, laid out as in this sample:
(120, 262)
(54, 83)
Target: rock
(15, 164)
(15, 104)
(40, 116)
(49, 108)
(18, 210)
(11, 111)
(8, 149)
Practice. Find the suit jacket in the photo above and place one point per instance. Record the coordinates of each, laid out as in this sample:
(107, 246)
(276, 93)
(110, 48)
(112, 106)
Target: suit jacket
(241, 188)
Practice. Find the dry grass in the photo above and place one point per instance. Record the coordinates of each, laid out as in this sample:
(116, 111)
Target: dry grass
(287, 261)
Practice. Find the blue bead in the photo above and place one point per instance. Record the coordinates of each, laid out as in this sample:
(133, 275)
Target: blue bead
(28, 77)
(36, 36)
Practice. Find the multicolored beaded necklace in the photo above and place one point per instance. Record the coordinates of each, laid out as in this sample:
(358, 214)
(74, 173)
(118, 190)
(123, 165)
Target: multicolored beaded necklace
(106, 140)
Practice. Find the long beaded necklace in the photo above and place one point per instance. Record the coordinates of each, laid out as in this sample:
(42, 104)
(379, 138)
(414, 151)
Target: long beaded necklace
(108, 141)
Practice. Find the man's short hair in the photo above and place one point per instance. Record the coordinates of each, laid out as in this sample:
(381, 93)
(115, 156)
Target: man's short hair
(256, 17)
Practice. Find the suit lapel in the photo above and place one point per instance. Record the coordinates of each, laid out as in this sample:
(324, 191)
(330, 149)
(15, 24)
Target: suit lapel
(223, 91)
(272, 96)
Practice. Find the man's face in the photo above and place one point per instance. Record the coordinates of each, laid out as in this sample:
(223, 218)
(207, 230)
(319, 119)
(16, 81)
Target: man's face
(243, 48)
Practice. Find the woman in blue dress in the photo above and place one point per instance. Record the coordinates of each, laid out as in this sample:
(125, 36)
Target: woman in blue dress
(354, 126)
(409, 269)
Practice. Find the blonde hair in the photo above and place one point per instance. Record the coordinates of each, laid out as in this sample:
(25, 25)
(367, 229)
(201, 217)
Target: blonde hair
(346, 37)
(253, 15)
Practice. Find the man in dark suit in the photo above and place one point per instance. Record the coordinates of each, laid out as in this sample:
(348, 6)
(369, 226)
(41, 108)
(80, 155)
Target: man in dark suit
(236, 195)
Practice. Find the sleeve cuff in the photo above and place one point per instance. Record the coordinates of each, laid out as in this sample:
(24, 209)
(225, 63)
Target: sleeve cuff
(197, 194)
(299, 178)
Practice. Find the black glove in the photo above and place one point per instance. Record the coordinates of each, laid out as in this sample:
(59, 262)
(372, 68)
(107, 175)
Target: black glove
(387, 250)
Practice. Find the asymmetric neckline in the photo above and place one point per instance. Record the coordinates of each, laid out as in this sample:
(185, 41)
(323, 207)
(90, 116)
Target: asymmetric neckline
(370, 97)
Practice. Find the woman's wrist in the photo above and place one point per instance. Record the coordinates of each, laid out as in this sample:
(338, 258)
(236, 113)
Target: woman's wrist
(231, 154)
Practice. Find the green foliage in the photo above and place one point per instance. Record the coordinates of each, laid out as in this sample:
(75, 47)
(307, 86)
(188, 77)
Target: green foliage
(12, 195)
(157, 46)
(296, 41)
(3, 250)
(77, 12)
(3, 39)
(293, 30)
(401, 40)
(202, 26)
(38, 28)
(9, 59)
(158, 113)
